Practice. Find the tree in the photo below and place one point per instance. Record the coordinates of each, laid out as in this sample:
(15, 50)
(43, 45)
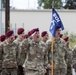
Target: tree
(3, 3)
(70, 4)
(47, 4)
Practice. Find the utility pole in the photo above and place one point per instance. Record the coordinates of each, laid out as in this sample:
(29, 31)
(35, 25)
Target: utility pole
(7, 15)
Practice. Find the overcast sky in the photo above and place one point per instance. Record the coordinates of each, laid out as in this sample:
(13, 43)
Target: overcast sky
(24, 4)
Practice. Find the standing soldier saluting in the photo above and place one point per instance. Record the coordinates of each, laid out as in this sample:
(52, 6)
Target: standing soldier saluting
(59, 54)
(35, 52)
(8, 54)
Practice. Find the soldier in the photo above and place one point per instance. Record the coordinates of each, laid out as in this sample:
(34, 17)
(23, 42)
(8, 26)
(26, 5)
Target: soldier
(2, 38)
(8, 55)
(59, 55)
(35, 53)
(69, 60)
(20, 38)
(0, 59)
(74, 61)
(45, 36)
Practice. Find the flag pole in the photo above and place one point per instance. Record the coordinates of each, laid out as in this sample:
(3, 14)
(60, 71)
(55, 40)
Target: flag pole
(52, 48)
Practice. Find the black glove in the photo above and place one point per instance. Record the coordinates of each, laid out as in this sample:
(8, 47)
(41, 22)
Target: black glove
(20, 70)
(47, 73)
(74, 66)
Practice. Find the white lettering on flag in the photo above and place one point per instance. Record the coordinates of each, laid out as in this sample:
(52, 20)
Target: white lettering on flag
(56, 17)
(52, 24)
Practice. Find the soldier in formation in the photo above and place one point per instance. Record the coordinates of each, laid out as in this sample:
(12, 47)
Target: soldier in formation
(74, 61)
(18, 40)
(36, 54)
(59, 54)
(45, 38)
(8, 55)
(69, 60)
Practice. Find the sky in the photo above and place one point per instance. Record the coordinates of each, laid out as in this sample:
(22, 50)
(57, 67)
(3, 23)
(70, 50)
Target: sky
(24, 4)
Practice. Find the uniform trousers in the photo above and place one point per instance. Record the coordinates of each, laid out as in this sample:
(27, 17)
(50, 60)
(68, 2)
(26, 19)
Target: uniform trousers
(9, 71)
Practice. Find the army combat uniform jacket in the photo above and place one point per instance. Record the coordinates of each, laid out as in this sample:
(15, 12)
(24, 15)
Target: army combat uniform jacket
(36, 55)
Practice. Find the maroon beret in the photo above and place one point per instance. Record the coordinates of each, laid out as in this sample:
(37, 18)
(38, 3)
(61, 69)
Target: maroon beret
(32, 31)
(57, 28)
(66, 39)
(3, 37)
(44, 33)
(36, 29)
(61, 35)
(9, 33)
(20, 31)
(26, 36)
(15, 36)
(0, 38)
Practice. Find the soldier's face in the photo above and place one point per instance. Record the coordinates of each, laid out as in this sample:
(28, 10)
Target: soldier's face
(58, 32)
(46, 37)
(36, 36)
(11, 38)
(22, 36)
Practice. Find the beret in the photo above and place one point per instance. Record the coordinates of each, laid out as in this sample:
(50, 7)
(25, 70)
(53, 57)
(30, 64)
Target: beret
(44, 33)
(20, 31)
(9, 33)
(2, 38)
(33, 31)
(57, 28)
(26, 36)
(66, 39)
(61, 35)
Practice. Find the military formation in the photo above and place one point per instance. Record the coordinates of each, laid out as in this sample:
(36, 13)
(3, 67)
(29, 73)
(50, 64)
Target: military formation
(30, 54)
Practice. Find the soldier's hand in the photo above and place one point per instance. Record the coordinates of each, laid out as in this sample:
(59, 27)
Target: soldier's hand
(45, 71)
(49, 66)
(75, 70)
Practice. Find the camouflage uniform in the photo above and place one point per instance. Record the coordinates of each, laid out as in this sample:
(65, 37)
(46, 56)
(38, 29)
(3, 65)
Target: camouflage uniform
(18, 41)
(59, 57)
(20, 68)
(74, 58)
(69, 61)
(0, 61)
(46, 45)
(8, 58)
(35, 62)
